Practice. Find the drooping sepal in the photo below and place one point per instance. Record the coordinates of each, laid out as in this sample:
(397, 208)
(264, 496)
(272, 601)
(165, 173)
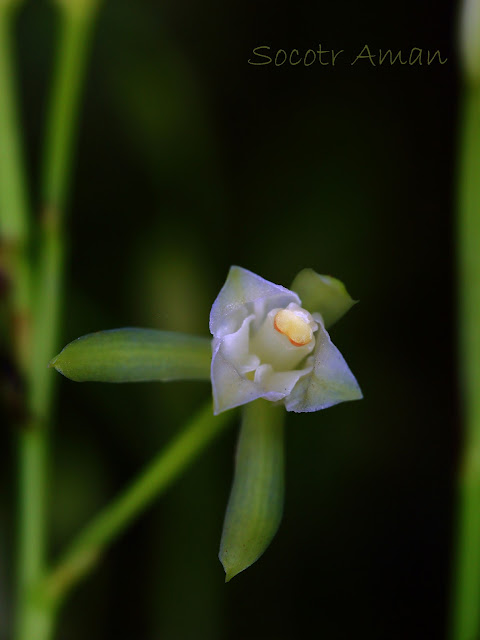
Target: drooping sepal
(255, 506)
(322, 294)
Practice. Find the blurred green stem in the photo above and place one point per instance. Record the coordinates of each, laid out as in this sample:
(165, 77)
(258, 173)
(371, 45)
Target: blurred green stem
(466, 611)
(14, 213)
(31, 620)
(14, 223)
(13, 197)
(171, 461)
(77, 19)
(34, 618)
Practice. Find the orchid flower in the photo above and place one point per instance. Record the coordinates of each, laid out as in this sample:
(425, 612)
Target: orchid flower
(270, 348)
(266, 345)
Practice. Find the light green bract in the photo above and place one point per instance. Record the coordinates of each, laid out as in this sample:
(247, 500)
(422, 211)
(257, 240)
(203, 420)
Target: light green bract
(323, 294)
(256, 351)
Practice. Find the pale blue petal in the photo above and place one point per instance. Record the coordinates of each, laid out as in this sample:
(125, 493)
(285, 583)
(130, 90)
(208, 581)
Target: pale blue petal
(236, 348)
(278, 382)
(230, 389)
(243, 288)
(330, 382)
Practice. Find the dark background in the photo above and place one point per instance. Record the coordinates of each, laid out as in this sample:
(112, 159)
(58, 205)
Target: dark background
(190, 160)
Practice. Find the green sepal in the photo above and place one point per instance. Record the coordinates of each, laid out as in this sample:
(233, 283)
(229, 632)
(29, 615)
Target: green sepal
(323, 294)
(255, 506)
(135, 355)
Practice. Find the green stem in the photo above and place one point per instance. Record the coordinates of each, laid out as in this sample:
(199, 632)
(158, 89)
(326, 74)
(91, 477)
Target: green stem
(466, 610)
(13, 194)
(77, 19)
(14, 209)
(14, 221)
(34, 616)
(31, 536)
(86, 549)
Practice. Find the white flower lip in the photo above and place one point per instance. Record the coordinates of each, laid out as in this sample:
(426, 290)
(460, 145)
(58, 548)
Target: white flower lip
(265, 345)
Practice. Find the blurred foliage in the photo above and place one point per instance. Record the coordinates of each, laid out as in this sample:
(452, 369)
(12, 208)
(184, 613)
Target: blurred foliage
(191, 160)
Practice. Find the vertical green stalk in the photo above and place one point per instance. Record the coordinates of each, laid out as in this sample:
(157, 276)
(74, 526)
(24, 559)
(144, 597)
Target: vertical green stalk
(14, 213)
(14, 223)
(32, 620)
(467, 596)
(77, 19)
(466, 602)
(13, 198)
(34, 616)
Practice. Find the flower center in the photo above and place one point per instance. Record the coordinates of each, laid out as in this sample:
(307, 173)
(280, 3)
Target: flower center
(294, 325)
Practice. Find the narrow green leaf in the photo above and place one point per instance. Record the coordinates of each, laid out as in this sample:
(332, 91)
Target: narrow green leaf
(255, 505)
(135, 355)
(323, 294)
